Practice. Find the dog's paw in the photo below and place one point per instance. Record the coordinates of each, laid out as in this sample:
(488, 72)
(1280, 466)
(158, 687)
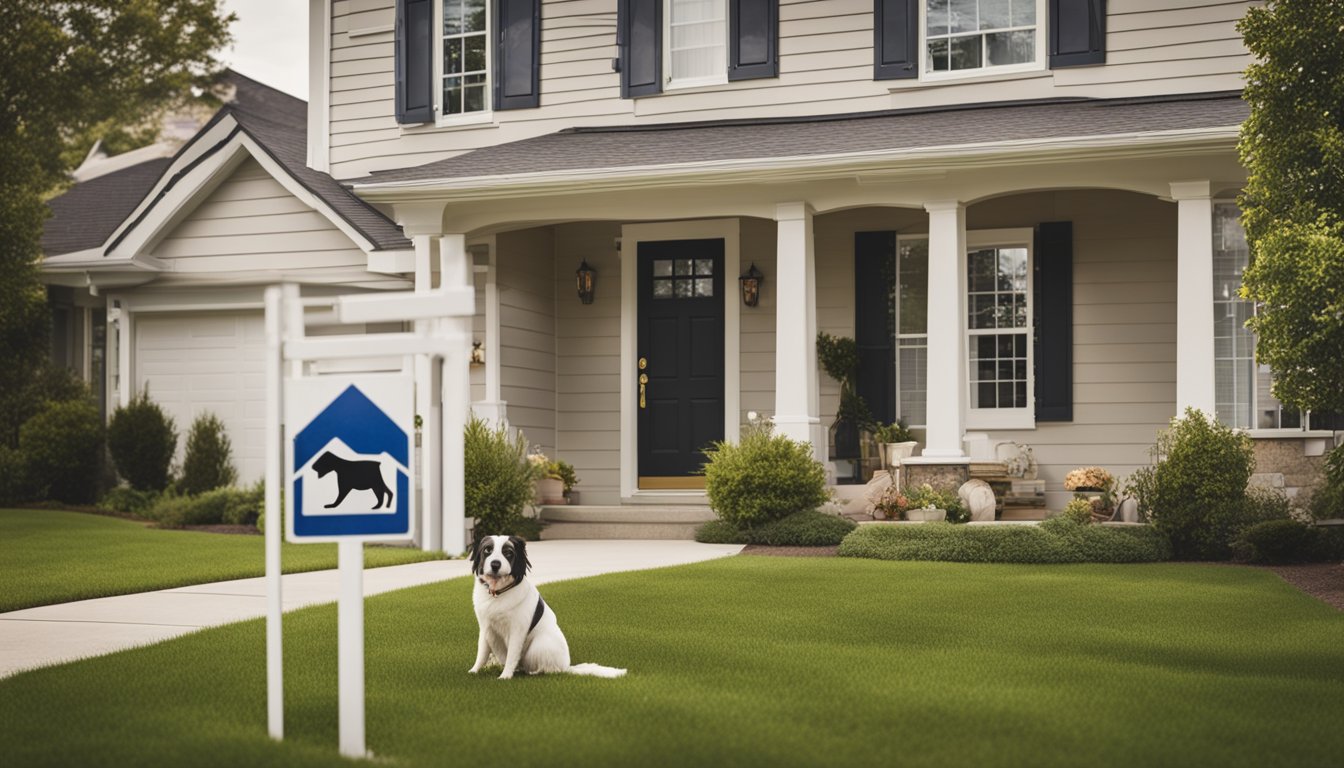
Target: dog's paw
(473, 670)
(506, 676)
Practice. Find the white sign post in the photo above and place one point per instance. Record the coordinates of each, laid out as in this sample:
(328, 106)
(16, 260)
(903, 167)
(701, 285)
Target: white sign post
(347, 465)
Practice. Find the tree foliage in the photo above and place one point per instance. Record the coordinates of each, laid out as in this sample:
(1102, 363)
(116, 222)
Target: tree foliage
(67, 66)
(1293, 204)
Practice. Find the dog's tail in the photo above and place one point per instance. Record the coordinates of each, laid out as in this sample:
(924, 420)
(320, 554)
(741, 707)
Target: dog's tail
(595, 670)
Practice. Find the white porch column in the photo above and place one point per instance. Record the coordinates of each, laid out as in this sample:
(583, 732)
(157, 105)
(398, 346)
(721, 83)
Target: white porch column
(1194, 296)
(125, 338)
(431, 529)
(493, 408)
(947, 336)
(455, 271)
(796, 403)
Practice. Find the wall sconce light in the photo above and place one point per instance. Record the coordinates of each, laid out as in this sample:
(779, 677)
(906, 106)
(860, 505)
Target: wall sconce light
(477, 353)
(751, 285)
(585, 276)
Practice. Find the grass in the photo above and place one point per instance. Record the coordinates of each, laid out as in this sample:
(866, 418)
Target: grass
(754, 661)
(49, 556)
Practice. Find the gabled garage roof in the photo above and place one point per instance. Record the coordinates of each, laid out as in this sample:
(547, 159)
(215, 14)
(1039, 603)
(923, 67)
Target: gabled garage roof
(93, 214)
(672, 145)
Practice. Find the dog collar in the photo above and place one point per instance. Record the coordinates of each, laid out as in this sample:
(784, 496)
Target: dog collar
(494, 593)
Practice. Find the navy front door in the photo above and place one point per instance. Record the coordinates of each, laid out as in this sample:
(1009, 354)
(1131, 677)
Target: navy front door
(680, 359)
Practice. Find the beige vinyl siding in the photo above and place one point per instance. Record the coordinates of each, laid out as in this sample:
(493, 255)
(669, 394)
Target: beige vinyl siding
(527, 333)
(1124, 330)
(826, 67)
(250, 227)
(588, 359)
(756, 352)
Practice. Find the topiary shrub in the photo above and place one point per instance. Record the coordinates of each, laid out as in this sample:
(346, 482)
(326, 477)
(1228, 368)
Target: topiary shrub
(762, 477)
(498, 478)
(208, 463)
(801, 529)
(62, 448)
(142, 439)
(1196, 493)
(1079, 510)
(1277, 541)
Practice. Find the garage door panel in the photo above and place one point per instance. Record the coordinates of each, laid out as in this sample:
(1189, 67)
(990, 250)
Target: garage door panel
(194, 363)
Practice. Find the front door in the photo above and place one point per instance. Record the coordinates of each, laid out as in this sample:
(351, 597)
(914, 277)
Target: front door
(680, 359)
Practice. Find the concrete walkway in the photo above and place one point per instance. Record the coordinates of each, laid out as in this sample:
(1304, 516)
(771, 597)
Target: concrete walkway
(54, 634)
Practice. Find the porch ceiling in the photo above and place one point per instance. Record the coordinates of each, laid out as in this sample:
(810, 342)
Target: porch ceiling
(699, 144)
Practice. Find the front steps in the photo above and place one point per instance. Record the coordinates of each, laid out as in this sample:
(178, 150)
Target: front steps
(623, 522)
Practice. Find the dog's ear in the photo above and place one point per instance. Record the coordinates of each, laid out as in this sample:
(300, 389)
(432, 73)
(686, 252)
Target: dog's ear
(519, 564)
(476, 556)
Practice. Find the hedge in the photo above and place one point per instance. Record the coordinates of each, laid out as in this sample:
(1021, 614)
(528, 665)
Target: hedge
(1055, 541)
(801, 529)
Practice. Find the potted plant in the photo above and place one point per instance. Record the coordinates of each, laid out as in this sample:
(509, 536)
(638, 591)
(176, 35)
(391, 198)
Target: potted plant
(891, 505)
(555, 479)
(1095, 485)
(839, 357)
(895, 442)
(928, 504)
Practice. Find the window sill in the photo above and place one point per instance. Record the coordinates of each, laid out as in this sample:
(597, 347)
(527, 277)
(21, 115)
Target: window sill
(942, 81)
(998, 420)
(1288, 434)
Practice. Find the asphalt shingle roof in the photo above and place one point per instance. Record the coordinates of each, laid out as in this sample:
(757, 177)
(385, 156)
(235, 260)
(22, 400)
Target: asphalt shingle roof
(671, 144)
(89, 212)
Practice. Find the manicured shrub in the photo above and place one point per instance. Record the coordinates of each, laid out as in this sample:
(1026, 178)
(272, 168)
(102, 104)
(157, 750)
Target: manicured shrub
(231, 506)
(1327, 503)
(1079, 510)
(1054, 541)
(801, 529)
(13, 476)
(1277, 541)
(498, 478)
(1196, 493)
(62, 447)
(142, 439)
(762, 477)
(126, 500)
(208, 462)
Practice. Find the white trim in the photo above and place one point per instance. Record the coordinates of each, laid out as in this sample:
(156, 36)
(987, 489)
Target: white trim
(487, 115)
(728, 230)
(1143, 144)
(392, 262)
(192, 189)
(1195, 385)
(1282, 433)
(935, 76)
(1004, 418)
(319, 85)
(719, 78)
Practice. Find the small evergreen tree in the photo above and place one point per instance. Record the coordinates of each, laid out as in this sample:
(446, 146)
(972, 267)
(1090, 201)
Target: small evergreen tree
(142, 440)
(209, 460)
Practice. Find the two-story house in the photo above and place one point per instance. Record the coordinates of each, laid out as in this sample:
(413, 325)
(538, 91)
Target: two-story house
(1022, 210)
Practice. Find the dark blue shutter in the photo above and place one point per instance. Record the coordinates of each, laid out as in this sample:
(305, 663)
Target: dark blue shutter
(639, 39)
(875, 321)
(414, 65)
(518, 54)
(753, 39)
(1077, 33)
(895, 39)
(1054, 321)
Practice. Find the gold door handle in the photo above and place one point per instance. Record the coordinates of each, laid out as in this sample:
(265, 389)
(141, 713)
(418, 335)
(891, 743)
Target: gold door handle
(643, 382)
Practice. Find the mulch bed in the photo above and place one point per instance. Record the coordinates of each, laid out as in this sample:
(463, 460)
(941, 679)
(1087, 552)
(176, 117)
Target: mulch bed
(244, 530)
(1323, 581)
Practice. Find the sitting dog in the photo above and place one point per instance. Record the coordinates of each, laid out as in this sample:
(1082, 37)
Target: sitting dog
(517, 627)
(353, 476)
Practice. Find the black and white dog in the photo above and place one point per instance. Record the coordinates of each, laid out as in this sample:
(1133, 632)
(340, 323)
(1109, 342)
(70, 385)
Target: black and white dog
(517, 627)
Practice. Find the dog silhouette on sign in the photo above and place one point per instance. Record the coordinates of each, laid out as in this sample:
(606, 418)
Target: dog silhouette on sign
(353, 476)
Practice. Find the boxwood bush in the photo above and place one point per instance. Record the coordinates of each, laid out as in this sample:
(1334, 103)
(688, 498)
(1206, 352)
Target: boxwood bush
(62, 448)
(762, 477)
(1287, 541)
(1055, 541)
(13, 476)
(1196, 493)
(142, 439)
(221, 506)
(808, 528)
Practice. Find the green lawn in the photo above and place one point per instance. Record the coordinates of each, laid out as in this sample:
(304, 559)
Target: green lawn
(754, 661)
(47, 556)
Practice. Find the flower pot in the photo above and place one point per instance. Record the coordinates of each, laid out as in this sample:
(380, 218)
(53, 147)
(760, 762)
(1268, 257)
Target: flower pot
(897, 451)
(925, 515)
(551, 490)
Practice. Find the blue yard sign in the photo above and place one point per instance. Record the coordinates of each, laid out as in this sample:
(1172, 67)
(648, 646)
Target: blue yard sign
(349, 459)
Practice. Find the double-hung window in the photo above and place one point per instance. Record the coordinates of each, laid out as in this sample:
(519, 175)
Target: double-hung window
(464, 61)
(696, 36)
(964, 37)
(999, 329)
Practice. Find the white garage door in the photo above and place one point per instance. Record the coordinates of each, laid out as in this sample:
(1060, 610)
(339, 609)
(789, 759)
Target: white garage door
(208, 361)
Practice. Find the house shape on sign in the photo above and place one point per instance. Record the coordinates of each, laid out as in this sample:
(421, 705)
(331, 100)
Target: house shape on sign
(355, 421)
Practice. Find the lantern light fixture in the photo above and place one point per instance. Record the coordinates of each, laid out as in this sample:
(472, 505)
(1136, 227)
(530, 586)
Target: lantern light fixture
(584, 278)
(751, 285)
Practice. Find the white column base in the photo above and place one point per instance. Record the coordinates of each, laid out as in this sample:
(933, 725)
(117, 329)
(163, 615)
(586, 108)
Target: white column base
(806, 429)
(493, 412)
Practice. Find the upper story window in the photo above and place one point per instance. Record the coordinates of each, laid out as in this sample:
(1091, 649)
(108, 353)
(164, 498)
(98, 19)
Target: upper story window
(696, 42)
(464, 75)
(963, 36)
